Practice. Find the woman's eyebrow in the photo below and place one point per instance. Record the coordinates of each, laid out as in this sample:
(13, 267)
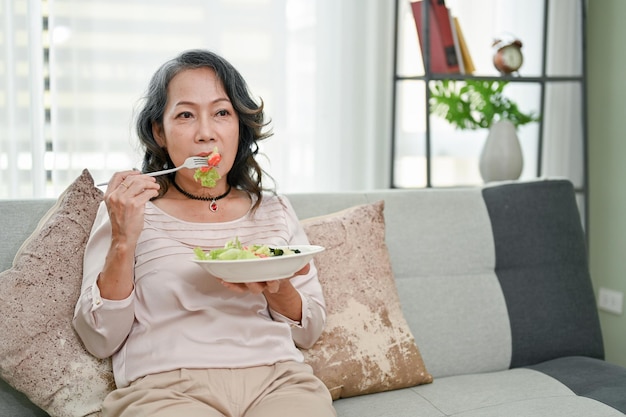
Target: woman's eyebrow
(192, 103)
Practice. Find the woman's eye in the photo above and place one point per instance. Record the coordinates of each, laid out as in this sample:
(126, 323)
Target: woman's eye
(222, 113)
(185, 115)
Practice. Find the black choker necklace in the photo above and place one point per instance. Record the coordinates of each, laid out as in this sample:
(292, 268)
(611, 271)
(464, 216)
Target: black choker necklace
(213, 206)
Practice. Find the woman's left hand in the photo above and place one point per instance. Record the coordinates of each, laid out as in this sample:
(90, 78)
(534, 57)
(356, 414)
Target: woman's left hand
(271, 287)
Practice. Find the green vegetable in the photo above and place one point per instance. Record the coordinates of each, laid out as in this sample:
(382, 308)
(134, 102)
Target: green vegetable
(207, 177)
(200, 255)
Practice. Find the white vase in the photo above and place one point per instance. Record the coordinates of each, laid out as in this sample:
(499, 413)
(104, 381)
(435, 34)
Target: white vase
(501, 158)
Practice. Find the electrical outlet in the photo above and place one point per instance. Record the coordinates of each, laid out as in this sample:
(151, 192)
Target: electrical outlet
(610, 300)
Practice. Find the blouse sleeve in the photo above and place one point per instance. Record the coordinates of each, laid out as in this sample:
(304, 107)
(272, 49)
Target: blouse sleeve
(102, 324)
(305, 333)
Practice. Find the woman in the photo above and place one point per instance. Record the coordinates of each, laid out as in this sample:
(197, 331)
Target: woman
(184, 342)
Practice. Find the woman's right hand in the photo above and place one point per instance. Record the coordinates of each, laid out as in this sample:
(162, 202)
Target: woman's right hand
(125, 199)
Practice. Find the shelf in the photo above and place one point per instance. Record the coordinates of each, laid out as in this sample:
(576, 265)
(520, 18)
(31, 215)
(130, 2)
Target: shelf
(427, 153)
(490, 78)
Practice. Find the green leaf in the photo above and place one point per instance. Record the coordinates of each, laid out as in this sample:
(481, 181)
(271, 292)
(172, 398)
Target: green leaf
(475, 104)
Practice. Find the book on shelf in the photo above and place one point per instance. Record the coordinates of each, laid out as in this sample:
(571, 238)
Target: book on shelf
(442, 50)
(444, 25)
(457, 46)
(466, 58)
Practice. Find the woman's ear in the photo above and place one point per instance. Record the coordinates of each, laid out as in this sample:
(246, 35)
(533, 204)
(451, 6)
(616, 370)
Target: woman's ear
(157, 132)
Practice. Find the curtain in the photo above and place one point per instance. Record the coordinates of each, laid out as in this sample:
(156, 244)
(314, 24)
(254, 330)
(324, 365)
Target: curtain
(563, 124)
(22, 146)
(73, 73)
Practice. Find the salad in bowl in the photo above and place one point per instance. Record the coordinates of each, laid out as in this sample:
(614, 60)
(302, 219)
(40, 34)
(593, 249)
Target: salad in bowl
(254, 263)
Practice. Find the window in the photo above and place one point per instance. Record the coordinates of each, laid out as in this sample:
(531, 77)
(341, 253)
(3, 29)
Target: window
(72, 72)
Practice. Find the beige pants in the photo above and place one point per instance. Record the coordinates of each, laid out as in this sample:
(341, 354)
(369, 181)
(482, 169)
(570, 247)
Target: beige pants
(285, 389)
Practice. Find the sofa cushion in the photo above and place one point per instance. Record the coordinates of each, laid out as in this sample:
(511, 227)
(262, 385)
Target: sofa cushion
(367, 345)
(449, 290)
(513, 392)
(541, 265)
(15, 404)
(589, 377)
(40, 354)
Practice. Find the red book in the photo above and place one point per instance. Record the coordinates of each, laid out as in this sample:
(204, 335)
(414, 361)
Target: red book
(443, 60)
(444, 26)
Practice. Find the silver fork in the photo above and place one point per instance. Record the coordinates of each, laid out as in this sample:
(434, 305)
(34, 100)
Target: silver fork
(191, 163)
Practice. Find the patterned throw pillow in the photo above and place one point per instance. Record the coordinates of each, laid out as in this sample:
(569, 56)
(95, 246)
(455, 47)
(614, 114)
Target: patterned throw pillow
(367, 345)
(40, 354)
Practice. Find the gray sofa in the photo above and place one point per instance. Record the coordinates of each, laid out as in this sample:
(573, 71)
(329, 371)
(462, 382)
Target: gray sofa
(494, 284)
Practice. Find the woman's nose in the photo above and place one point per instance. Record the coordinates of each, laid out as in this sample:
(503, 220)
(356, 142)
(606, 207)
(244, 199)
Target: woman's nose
(206, 131)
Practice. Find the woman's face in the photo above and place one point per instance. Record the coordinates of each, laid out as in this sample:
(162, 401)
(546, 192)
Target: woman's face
(198, 117)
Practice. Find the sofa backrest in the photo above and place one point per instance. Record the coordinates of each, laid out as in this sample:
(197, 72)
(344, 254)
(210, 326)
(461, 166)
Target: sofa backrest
(18, 219)
(489, 278)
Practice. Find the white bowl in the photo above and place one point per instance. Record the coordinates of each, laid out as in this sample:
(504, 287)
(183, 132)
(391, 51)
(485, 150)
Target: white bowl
(261, 269)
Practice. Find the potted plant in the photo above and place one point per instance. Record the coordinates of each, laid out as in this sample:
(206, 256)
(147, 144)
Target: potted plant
(481, 104)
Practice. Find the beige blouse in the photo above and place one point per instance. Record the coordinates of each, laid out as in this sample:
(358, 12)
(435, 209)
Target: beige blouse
(179, 316)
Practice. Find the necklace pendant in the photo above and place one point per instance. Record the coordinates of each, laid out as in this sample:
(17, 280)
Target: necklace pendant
(212, 200)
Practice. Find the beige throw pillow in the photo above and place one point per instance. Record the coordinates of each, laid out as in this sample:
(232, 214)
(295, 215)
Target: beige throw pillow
(367, 345)
(40, 354)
